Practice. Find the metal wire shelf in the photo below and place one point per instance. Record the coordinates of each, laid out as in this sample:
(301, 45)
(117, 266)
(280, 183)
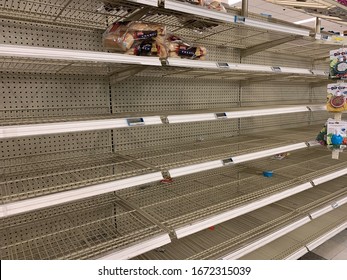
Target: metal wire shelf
(76, 235)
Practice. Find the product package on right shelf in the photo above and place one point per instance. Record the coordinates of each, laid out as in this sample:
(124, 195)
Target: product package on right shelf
(336, 136)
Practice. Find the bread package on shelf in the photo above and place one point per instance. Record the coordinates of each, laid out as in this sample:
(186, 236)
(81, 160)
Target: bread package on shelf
(136, 38)
(215, 5)
(195, 2)
(178, 48)
(337, 97)
(338, 64)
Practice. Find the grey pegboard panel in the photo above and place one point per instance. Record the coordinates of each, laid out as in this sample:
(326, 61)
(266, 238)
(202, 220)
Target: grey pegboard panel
(173, 134)
(52, 36)
(274, 93)
(143, 94)
(71, 144)
(320, 117)
(223, 54)
(257, 124)
(26, 96)
(276, 59)
(319, 94)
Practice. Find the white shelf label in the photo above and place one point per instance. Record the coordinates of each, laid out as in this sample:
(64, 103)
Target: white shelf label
(335, 205)
(276, 69)
(221, 115)
(135, 121)
(223, 65)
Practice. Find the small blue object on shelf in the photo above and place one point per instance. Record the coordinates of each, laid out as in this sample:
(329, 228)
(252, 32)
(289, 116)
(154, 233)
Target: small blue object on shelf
(267, 173)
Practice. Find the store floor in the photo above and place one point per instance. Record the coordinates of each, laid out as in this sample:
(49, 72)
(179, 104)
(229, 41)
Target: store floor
(333, 249)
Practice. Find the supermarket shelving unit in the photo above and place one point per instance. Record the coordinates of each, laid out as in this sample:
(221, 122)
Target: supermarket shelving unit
(90, 139)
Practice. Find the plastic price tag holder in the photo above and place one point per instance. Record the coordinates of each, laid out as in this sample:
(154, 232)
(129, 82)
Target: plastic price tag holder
(335, 205)
(223, 65)
(276, 69)
(227, 161)
(221, 115)
(135, 121)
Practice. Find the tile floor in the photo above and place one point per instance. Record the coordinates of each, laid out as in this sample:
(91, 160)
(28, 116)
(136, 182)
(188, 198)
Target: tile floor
(335, 248)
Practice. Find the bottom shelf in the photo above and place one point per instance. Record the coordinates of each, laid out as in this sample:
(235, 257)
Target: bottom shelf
(304, 239)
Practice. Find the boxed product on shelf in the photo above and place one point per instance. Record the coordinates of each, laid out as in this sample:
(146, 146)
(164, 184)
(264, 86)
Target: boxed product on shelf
(136, 38)
(179, 48)
(336, 134)
(337, 97)
(338, 64)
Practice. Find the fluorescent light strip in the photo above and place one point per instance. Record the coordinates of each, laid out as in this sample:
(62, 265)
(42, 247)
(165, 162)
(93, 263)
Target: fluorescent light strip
(138, 249)
(66, 127)
(314, 244)
(199, 11)
(322, 211)
(299, 253)
(329, 177)
(261, 154)
(267, 239)
(74, 55)
(220, 218)
(272, 26)
(30, 204)
(176, 172)
(265, 112)
(191, 118)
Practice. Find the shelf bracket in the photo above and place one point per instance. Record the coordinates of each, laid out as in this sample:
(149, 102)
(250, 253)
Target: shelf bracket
(267, 45)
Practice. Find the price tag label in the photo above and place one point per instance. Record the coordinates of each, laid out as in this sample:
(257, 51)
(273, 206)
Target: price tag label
(239, 19)
(223, 65)
(135, 121)
(335, 205)
(221, 115)
(276, 69)
(227, 161)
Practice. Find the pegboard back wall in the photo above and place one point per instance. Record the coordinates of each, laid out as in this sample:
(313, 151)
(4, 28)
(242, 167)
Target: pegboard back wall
(274, 93)
(55, 146)
(39, 95)
(319, 94)
(143, 94)
(52, 36)
(173, 134)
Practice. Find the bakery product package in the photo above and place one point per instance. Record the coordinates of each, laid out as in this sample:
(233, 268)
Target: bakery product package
(127, 37)
(179, 48)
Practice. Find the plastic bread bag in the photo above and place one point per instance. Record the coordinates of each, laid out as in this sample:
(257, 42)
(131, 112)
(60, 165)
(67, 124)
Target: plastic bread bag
(195, 2)
(121, 36)
(148, 48)
(181, 49)
(215, 5)
(336, 98)
(338, 64)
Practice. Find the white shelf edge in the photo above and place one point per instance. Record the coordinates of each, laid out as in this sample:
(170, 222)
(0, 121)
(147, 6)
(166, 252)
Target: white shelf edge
(314, 244)
(265, 240)
(180, 171)
(296, 255)
(270, 152)
(138, 249)
(199, 11)
(265, 112)
(191, 118)
(30, 204)
(7, 50)
(220, 218)
(272, 26)
(66, 127)
(321, 211)
(329, 177)
(153, 3)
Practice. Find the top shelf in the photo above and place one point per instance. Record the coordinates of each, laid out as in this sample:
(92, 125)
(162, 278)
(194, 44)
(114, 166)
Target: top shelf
(219, 29)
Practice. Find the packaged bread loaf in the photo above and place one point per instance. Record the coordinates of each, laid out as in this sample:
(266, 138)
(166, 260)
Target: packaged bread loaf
(121, 36)
(215, 5)
(179, 48)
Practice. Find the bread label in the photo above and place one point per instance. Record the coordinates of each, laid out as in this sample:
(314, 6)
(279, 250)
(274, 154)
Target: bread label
(143, 35)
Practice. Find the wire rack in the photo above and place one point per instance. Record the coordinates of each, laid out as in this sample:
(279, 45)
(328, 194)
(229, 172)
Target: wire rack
(220, 240)
(204, 194)
(288, 244)
(77, 235)
(27, 181)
